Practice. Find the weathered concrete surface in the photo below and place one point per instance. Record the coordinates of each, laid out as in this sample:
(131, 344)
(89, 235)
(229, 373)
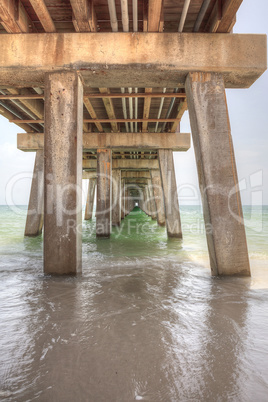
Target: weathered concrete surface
(122, 199)
(116, 197)
(90, 198)
(63, 173)
(125, 164)
(158, 196)
(35, 215)
(217, 174)
(152, 201)
(103, 211)
(132, 59)
(135, 174)
(30, 142)
(169, 186)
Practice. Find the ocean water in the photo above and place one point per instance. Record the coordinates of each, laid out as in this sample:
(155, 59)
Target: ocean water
(145, 321)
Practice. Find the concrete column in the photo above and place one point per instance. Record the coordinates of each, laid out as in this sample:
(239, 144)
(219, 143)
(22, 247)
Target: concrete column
(158, 196)
(147, 203)
(90, 199)
(152, 200)
(103, 212)
(63, 173)
(35, 215)
(122, 199)
(217, 174)
(116, 197)
(169, 186)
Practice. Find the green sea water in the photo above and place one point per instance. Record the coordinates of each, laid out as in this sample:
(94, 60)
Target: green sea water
(138, 237)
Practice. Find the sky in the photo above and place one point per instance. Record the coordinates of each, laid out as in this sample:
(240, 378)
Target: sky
(248, 111)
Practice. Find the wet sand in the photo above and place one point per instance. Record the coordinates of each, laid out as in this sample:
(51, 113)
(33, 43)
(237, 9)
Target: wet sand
(147, 330)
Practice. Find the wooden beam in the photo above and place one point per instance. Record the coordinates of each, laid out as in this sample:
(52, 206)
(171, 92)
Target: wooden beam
(14, 17)
(34, 105)
(117, 141)
(181, 109)
(42, 13)
(147, 94)
(8, 115)
(154, 15)
(214, 18)
(92, 113)
(229, 10)
(84, 15)
(103, 121)
(146, 109)
(109, 108)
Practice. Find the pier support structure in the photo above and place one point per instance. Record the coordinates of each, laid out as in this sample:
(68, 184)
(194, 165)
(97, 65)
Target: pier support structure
(158, 196)
(217, 174)
(116, 197)
(168, 179)
(63, 173)
(90, 198)
(35, 214)
(103, 211)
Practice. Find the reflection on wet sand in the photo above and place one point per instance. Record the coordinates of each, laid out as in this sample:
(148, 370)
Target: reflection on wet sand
(144, 332)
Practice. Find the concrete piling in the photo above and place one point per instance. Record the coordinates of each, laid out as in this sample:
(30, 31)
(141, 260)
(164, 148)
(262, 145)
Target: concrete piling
(171, 203)
(90, 198)
(103, 211)
(35, 214)
(217, 174)
(63, 173)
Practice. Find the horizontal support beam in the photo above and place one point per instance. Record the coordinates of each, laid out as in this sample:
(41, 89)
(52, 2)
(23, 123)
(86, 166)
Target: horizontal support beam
(30, 142)
(125, 174)
(16, 121)
(124, 59)
(124, 164)
(105, 95)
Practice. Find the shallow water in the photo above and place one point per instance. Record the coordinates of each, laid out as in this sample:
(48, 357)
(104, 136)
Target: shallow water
(145, 321)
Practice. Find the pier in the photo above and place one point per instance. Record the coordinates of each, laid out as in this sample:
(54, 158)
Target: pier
(100, 90)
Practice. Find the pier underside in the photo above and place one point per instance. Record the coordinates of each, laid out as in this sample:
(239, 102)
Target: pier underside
(103, 102)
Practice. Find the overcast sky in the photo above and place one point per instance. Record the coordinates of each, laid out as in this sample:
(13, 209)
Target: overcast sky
(248, 110)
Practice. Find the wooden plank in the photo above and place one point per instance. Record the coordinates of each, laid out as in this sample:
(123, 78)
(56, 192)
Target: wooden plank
(8, 115)
(154, 15)
(14, 17)
(42, 13)
(214, 18)
(181, 109)
(34, 105)
(107, 95)
(104, 121)
(146, 109)
(92, 113)
(84, 15)
(109, 108)
(145, 15)
(229, 10)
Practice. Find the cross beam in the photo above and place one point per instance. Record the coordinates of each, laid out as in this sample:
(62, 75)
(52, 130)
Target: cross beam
(30, 142)
(124, 164)
(131, 59)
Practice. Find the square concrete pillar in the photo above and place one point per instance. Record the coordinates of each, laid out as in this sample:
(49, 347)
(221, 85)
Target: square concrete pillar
(63, 173)
(35, 214)
(217, 174)
(152, 200)
(90, 199)
(158, 196)
(116, 197)
(169, 186)
(103, 211)
(122, 199)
